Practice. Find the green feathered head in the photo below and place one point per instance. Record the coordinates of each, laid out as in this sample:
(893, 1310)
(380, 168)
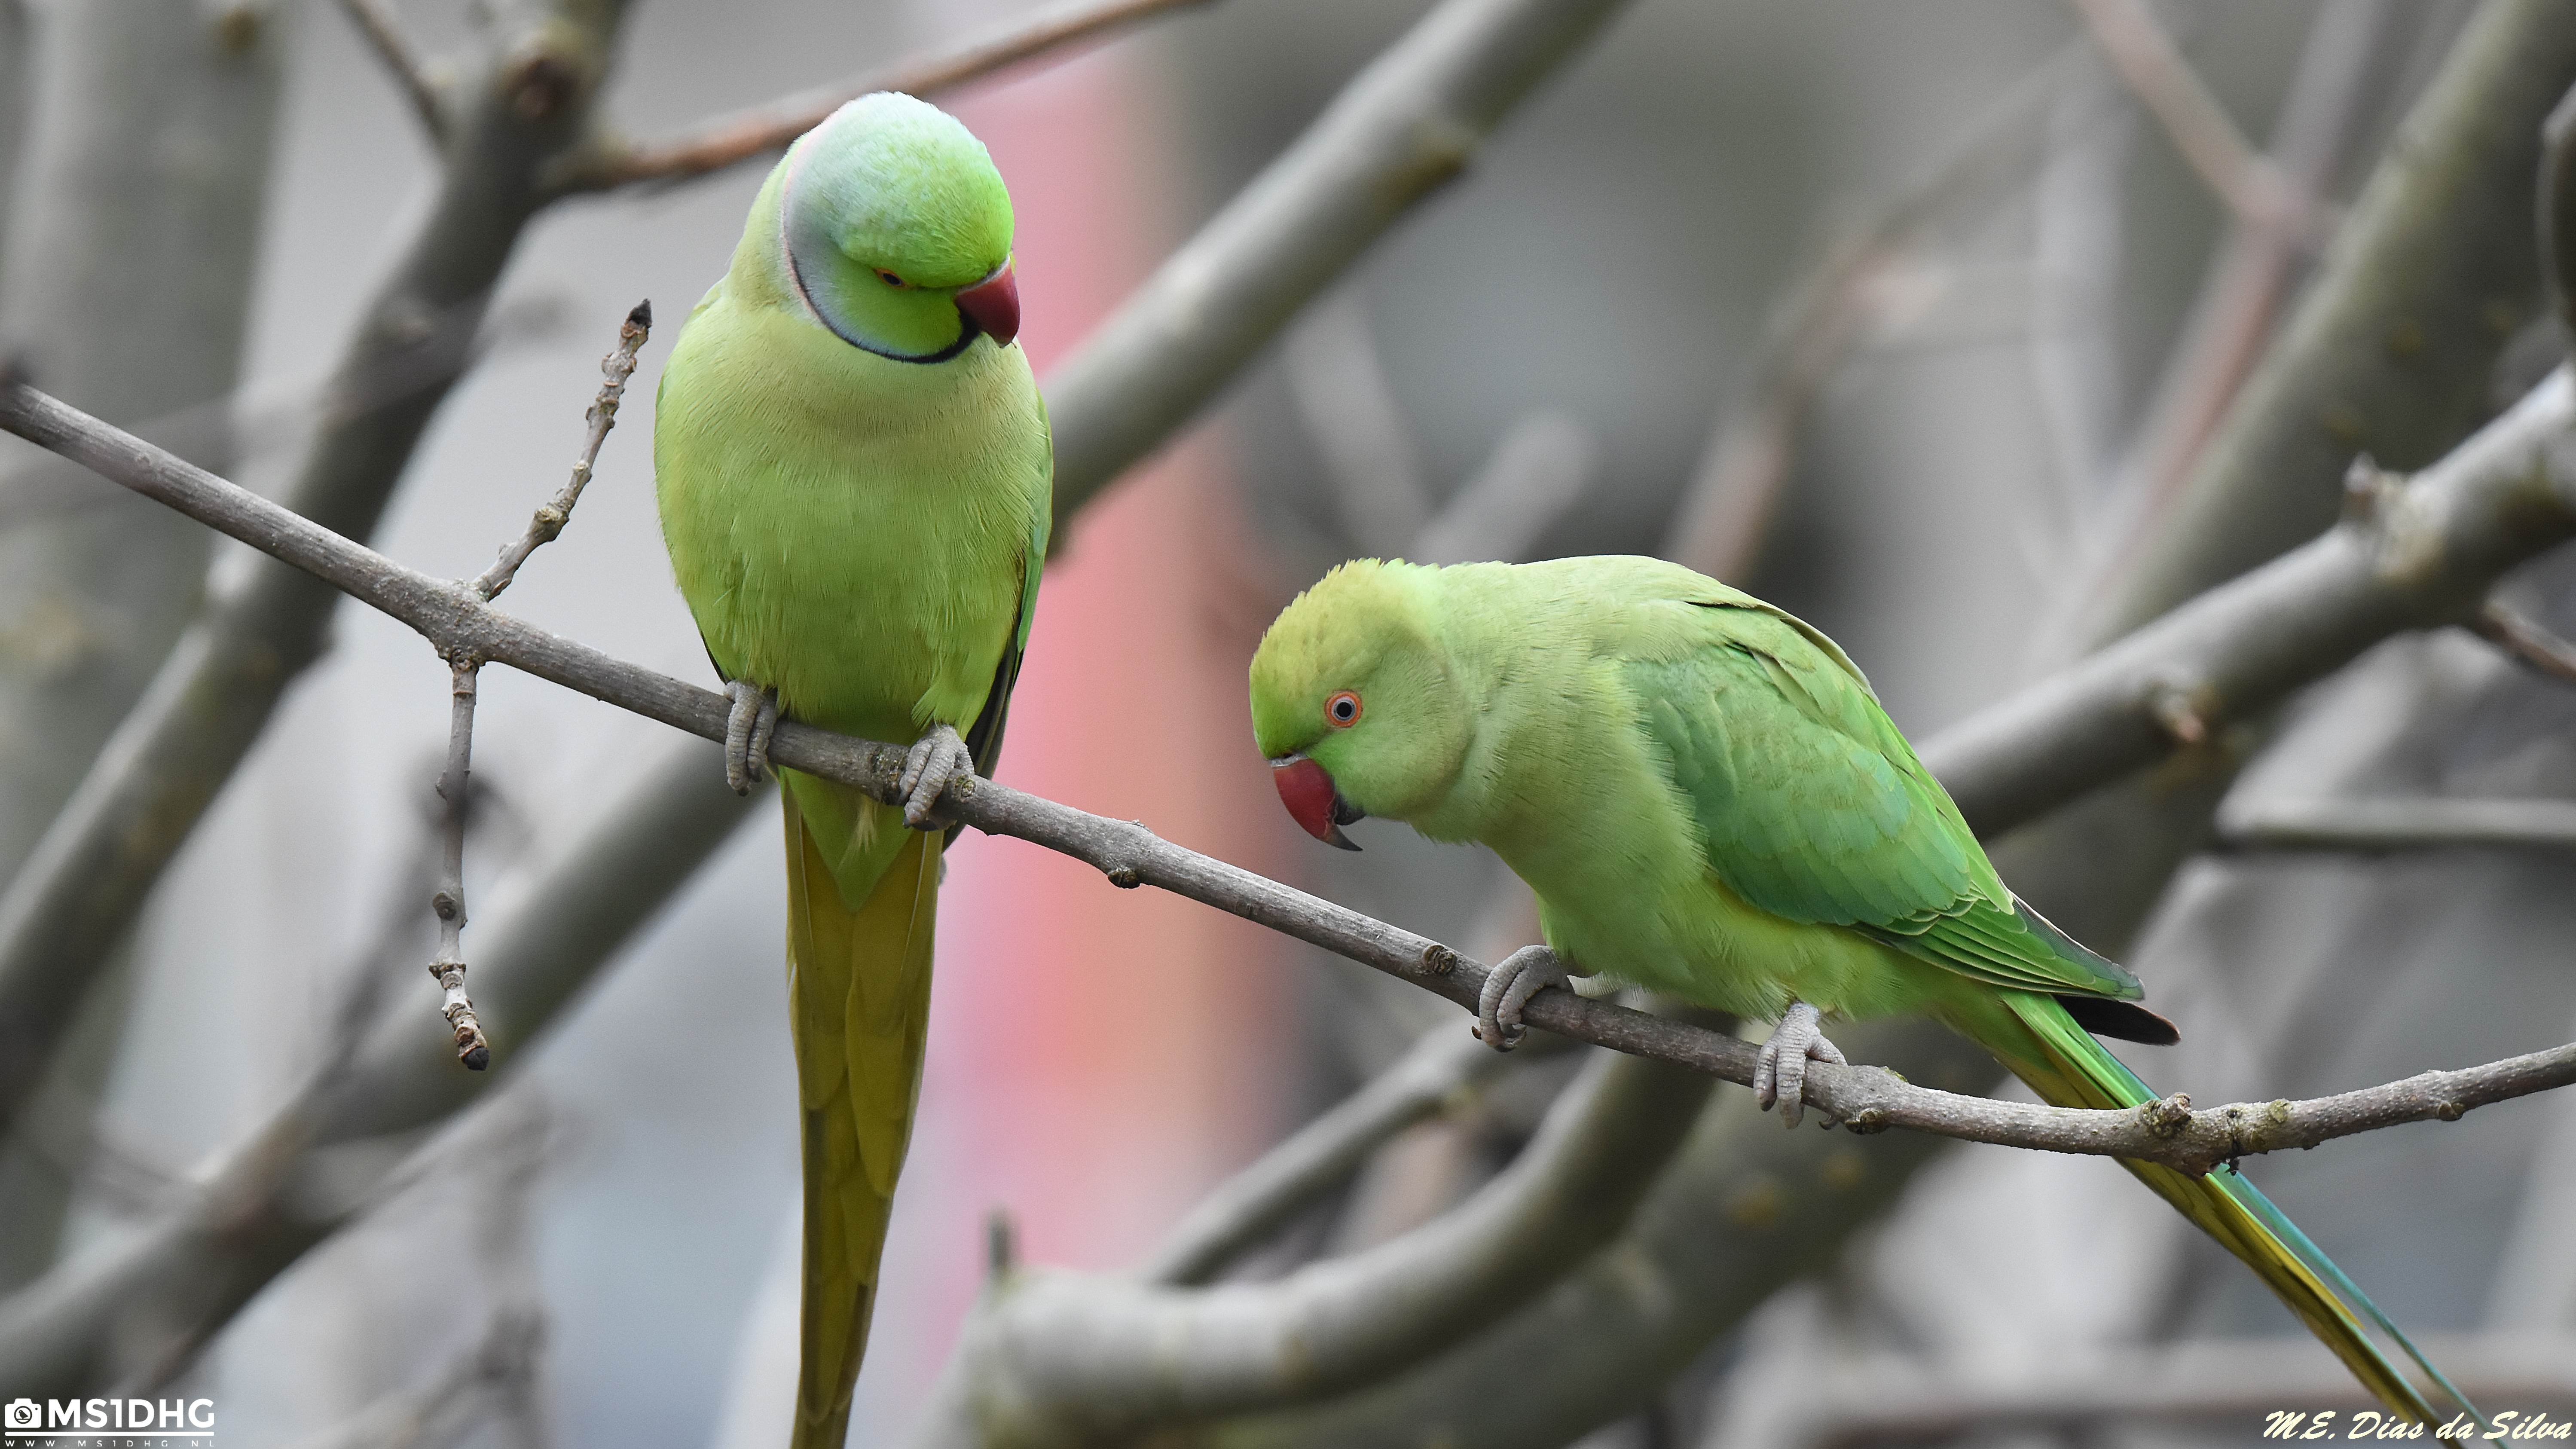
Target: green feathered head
(897, 231)
(1355, 701)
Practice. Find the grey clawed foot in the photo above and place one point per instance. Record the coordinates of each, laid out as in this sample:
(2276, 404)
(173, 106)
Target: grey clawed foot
(936, 761)
(1780, 1072)
(747, 731)
(1514, 980)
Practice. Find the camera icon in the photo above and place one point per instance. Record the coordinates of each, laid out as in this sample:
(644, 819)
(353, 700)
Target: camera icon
(25, 1414)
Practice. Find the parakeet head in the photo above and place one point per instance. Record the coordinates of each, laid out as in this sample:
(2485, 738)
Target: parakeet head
(1355, 702)
(897, 231)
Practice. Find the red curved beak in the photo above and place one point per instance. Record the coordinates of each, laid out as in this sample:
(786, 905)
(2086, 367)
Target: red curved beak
(993, 304)
(1307, 790)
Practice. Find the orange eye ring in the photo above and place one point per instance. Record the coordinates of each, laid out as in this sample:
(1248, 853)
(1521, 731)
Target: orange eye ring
(891, 280)
(1342, 710)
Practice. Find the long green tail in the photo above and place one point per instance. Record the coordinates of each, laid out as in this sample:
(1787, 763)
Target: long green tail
(2068, 1068)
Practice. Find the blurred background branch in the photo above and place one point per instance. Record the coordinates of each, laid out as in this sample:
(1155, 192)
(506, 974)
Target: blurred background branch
(1971, 419)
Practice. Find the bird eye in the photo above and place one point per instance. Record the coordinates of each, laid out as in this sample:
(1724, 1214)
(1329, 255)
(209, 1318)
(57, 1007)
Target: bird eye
(1343, 710)
(890, 279)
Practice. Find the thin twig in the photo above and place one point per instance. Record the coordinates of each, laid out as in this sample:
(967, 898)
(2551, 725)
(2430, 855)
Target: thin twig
(2399, 824)
(2506, 494)
(375, 21)
(2525, 641)
(2240, 297)
(448, 901)
(548, 525)
(2242, 177)
(1441, 1073)
(526, 103)
(1726, 507)
(746, 135)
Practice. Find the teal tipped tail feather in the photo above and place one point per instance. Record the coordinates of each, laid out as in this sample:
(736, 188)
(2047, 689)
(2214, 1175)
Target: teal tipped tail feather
(2041, 1043)
(1708, 801)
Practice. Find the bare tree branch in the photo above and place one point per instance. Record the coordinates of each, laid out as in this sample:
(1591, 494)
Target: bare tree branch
(139, 211)
(551, 516)
(1142, 1354)
(376, 22)
(447, 901)
(1726, 507)
(1445, 1067)
(2199, 127)
(163, 765)
(2525, 642)
(1401, 130)
(597, 893)
(2398, 824)
(2435, 545)
(438, 1411)
(761, 131)
(1747, 1209)
(2242, 291)
(2391, 349)
(1337, 381)
(1539, 468)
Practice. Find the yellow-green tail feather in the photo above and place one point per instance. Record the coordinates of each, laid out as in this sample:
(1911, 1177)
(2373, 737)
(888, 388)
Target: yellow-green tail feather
(858, 996)
(2045, 1048)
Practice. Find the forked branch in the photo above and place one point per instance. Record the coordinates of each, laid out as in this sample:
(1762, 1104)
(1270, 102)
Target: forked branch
(748, 135)
(2502, 497)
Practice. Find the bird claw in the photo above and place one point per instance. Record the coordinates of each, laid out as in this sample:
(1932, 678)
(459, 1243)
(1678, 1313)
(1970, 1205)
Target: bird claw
(1780, 1071)
(747, 731)
(1508, 987)
(936, 761)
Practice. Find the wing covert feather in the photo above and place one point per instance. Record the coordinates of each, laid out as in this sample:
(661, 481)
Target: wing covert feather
(1813, 807)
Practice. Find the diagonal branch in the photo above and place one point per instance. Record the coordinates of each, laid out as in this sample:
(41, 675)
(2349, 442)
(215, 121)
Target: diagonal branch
(1445, 1066)
(159, 771)
(2242, 177)
(1151, 1353)
(1725, 509)
(384, 35)
(2423, 557)
(2398, 824)
(674, 815)
(761, 131)
(1401, 130)
(2525, 641)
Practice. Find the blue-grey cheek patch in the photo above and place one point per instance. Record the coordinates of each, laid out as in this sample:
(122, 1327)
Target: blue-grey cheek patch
(817, 270)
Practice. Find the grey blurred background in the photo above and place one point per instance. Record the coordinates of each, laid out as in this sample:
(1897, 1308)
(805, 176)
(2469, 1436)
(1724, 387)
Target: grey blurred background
(1617, 272)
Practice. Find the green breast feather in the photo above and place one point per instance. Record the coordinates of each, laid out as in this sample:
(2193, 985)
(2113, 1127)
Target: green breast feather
(1811, 806)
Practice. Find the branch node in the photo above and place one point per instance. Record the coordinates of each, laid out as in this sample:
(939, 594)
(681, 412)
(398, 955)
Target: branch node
(1125, 878)
(1438, 960)
(2450, 1109)
(2184, 709)
(2167, 1117)
(1867, 1121)
(2366, 487)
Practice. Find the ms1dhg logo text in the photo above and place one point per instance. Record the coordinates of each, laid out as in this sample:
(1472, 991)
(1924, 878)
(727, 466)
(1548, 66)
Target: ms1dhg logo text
(108, 1423)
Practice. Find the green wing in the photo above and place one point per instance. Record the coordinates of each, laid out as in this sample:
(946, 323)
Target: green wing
(983, 738)
(1813, 807)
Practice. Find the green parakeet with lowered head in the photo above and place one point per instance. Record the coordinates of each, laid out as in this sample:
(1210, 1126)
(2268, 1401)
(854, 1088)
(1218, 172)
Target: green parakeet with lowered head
(855, 481)
(1708, 801)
